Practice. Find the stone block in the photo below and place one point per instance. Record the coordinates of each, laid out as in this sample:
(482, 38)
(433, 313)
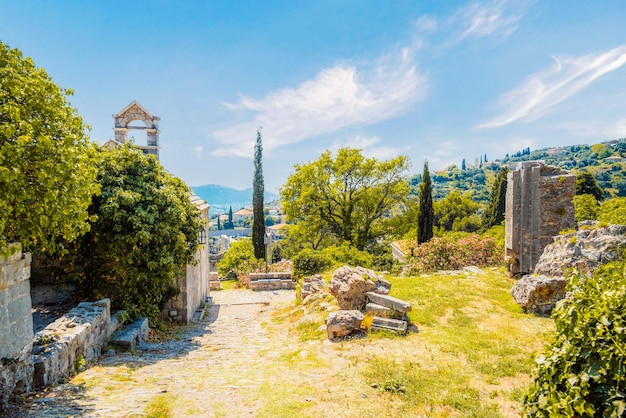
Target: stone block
(131, 336)
(382, 311)
(389, 302)
(389, 324)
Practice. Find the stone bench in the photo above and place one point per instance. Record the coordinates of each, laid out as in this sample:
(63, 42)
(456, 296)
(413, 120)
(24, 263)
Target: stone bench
(130, 336)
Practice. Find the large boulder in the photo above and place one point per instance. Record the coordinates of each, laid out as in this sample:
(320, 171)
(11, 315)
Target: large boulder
(583, 250)
(351, 284)
(342, 323)
(538, 294)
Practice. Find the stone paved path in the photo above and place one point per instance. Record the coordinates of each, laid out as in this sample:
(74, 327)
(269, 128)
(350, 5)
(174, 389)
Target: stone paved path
(211, 371)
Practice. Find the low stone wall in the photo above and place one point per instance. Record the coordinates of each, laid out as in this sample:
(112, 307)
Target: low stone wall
(78, 335)
(271, 281)
(16, 324)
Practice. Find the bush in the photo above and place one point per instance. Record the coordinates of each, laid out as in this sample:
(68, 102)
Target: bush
(347, 254)
(455, 251)
(583, 373)
(309, 262)
(238, 259)
(613, 211)
(585, 207)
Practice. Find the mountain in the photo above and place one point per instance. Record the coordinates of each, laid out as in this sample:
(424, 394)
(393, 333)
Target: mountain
(221, 197)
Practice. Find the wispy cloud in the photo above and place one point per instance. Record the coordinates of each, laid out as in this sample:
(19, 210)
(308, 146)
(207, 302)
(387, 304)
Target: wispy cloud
(370, 145)
(544, 90)
(491, 19)
(198, 151)
(338, 97)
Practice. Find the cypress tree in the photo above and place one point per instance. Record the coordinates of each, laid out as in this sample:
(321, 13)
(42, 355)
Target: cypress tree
(494, 213)
(258, 222)
(219, 226)
(426, 212)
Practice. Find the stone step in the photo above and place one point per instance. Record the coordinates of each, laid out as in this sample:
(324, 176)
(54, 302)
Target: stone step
(383, 311)
(389, 324)
(131, 335)
(215, 285)
(389, 302)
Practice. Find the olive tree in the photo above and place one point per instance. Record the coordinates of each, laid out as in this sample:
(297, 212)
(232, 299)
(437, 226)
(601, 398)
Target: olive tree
(46, 176)
(348, 196)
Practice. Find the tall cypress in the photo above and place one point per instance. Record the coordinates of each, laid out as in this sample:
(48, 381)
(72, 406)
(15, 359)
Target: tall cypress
(258, 222)
(426, 213)
(494, 213)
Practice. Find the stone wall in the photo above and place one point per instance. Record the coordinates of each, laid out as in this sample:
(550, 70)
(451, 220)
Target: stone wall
(78, 335)
(194, 286)
(271, 281)
(16, 324)
(538, 206)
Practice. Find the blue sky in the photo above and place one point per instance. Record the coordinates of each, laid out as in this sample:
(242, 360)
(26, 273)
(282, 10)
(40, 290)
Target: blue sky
(433, 80)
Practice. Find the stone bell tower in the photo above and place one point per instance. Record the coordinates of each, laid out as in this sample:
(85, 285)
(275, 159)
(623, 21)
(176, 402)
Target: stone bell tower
(133, 112)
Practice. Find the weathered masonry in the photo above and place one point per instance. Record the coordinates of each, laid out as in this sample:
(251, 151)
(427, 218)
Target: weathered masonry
(136, 112)
(539, 205)
(16, 324)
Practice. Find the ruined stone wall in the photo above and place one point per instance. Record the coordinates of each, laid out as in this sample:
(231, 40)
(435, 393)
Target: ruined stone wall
(16, 324)
(538, 206)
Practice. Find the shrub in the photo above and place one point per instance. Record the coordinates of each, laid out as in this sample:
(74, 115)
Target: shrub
(583, 372)
(613, 211)
(347, 254)
(238, 259)
(455, 251)
(309, 262)
(585, 207)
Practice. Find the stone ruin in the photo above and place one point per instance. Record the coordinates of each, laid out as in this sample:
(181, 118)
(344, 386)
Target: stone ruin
(539, 205)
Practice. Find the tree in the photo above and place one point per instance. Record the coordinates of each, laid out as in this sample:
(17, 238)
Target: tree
(463, 166)
(229, 223)
(219, 226)
(585, 207)
(495, 211)
(586, 184)
(47, 177)
(258, 220)
(347, 198)
(426, 213)
(456, 212)
(144, 231)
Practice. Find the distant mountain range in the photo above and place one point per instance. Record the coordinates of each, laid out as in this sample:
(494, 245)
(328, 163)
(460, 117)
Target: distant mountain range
(221, 197)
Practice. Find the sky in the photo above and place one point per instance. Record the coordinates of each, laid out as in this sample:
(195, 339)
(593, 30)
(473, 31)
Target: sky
(436, 81)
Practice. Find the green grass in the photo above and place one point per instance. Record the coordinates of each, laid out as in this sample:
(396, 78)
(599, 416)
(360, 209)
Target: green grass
(161, 406)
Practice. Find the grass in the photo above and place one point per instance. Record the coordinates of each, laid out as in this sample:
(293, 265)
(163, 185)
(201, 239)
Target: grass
(161, 406)
(472, 356)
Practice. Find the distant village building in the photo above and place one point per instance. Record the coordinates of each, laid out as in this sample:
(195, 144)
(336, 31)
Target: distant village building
(615, 159)
(556, 151)
(242, 215)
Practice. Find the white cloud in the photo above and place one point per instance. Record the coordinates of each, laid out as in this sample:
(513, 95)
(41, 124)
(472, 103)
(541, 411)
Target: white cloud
(544, 90)
(198, 151)
(369, 145)
(336, 98)
(481, 20)
(617, 130)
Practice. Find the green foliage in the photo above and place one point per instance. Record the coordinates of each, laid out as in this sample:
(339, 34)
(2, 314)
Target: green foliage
(586, 184)
(47, 177)
(585, 207)
(239, 254)
(583, 372)
(258, 222)
(494, 213)
(347, 254)
(613, 211)
(145, 231)
(346, 198)
(456, 212)
(455, 251)
(426, 213)
(309, 262)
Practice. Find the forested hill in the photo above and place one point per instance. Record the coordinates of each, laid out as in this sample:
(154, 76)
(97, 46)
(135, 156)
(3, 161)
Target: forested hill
(602, 160)
(217, 195)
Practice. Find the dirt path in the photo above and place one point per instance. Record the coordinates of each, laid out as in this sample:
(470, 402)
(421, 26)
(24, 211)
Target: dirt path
(211, 371)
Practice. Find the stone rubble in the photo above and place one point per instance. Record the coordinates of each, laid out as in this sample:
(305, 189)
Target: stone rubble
(350, 286)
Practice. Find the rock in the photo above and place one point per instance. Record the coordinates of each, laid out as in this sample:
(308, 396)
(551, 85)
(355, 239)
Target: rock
(389, 302)
(311, 285)
(342, 323)
(583, 250)
(382, 311)
(538, 294)
(350, 286)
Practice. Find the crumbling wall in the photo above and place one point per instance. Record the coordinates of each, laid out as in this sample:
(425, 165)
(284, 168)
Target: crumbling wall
(16, 324)
(539, 205)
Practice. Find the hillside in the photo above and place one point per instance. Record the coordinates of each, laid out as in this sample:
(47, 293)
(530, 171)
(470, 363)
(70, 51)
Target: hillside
(221, 197)
(602, 160)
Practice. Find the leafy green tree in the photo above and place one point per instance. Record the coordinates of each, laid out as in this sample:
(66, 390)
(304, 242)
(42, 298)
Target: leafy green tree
(426, 212)
(494, 213)
(583, 372)
(585, 207)
(47, 177)
(238, 259)
(347, 197)
(456, 212)
(613, 211)
(144, 231)
(586, 184)
(258, 221)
